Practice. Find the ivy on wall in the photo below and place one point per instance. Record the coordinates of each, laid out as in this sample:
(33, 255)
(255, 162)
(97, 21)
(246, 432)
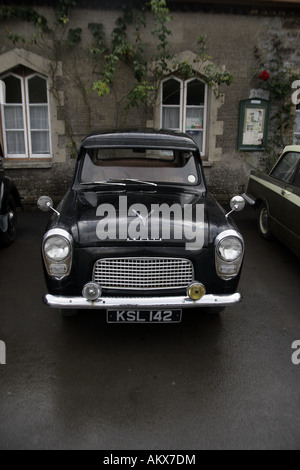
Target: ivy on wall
(146, 85)
(276, 75)
(107, 57)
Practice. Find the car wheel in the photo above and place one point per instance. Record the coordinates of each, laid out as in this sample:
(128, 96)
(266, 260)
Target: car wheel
(8, 237)
(68, 312)
(263, 222)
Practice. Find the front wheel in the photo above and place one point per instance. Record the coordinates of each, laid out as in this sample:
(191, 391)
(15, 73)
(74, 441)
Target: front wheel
(263, 222)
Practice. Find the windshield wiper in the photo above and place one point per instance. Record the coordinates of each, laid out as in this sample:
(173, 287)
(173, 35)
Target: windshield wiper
(131, 180)
(111, 182)
(120, 182)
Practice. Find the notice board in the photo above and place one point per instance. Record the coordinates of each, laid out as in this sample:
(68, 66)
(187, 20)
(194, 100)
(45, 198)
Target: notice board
(253, 124)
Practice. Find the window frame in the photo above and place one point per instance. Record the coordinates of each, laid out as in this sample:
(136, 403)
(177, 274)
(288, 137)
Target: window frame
(28, 155)
(183, 108)
(172, 106)
(295, 177)
(5, 130)
(204, 106)
(281, 162)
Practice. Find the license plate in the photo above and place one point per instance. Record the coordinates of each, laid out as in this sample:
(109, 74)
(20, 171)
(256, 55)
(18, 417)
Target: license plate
(144, 316)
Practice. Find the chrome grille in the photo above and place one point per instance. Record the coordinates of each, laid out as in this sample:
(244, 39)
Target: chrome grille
(143, 273)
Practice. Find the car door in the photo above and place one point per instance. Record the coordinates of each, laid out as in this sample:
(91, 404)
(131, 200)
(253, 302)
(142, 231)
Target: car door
(288, 212)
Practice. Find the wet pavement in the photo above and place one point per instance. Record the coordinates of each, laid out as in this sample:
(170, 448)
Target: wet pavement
(207, 383)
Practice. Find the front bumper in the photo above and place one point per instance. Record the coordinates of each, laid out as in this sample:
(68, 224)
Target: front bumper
(104, 303)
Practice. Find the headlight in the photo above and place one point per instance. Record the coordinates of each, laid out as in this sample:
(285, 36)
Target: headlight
(229, 253)
(57, 248)
(57, 252)
(230, 248)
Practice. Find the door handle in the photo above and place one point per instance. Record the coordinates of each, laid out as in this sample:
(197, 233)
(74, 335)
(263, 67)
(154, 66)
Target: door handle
(285, 193)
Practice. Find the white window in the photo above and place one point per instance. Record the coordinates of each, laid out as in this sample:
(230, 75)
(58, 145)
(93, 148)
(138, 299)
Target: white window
(172, 104)
(183, 107)
(25, 114)
(297, 126)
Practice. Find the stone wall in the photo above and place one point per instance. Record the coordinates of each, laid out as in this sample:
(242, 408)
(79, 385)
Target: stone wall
(232, 35)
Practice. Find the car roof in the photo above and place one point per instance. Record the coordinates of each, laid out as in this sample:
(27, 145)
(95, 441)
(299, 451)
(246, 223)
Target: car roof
(291, 148)
(145, 138)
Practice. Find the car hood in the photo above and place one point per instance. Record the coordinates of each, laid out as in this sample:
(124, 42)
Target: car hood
(180, 218)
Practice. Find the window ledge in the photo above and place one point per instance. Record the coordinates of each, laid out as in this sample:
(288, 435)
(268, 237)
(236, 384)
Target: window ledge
(26, 165)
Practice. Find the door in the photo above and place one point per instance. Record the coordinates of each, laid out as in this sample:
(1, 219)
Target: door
(288, 217)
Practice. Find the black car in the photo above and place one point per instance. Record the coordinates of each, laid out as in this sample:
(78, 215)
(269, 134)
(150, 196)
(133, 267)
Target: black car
(10, 199)
(138, 235)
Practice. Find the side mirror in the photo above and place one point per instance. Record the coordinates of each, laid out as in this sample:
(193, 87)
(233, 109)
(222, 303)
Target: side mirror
(45, 204)
(237, 204)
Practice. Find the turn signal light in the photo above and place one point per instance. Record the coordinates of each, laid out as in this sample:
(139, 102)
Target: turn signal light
(196, 290)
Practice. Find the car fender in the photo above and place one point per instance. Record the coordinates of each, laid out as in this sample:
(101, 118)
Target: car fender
(8, 188)
(255, 191)
(3, 223)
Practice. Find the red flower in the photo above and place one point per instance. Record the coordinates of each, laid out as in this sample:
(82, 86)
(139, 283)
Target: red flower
(264, 76)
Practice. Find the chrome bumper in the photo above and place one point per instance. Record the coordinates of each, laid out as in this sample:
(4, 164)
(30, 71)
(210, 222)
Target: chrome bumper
(104, 303)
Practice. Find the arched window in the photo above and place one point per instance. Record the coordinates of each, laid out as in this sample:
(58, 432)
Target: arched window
(172, 104)
(25, 113)
(183, 107)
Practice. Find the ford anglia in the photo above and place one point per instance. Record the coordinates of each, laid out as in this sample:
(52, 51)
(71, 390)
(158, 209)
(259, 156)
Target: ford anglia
(138, 235)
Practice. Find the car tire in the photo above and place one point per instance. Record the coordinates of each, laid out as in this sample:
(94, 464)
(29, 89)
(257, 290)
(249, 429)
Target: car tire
(68, 312)
(263, 222)
(8, 237)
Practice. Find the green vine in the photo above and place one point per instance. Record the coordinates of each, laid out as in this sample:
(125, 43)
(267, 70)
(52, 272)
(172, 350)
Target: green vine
(146, 87)
(161, 32)
(51, 39)
(108, 56)
(99, 46)
(26, 14)
(277, 78)
(121, 49)
(62, 11)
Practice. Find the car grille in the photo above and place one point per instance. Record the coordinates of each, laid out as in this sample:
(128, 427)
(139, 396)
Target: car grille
(143, 273)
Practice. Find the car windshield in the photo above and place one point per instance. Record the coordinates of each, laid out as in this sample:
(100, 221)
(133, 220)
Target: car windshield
(143, 165)
(285, 169)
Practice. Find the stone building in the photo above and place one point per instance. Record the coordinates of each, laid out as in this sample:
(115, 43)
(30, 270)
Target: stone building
(47, 72)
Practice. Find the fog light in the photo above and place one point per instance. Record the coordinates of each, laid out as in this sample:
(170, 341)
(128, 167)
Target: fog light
(91, 291)
(196, 291)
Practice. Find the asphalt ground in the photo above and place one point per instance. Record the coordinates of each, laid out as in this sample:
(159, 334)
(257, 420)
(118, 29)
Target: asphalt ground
(206, 383)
